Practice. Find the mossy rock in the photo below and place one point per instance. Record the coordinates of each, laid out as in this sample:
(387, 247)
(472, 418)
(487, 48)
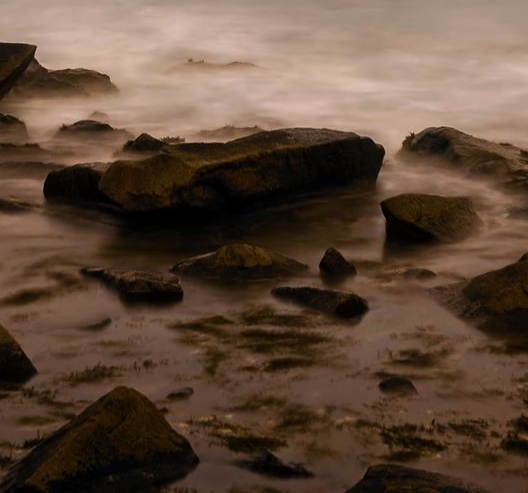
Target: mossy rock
(392, 478)
(429, 218)
(120, 443)
(15, 366)
(240, 261)
(215, 177)
(14, 59)
(496, 301)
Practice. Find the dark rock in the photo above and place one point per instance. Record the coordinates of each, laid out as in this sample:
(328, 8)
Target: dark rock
(239, 261)
(386, 477)
(341, 303)
(429, 218)
(334, 265)
(228, 132)
(14, 59)
(92, 129)
(496, 301)
(98, 325)
(12, 129)
(397, 385)
(181, 394)
(215, 177)
(520, 424)
(515, 444)
(14, 205)
(419, 274)
(38, 81)
(75, 184)
(504, 162)
(120, 443)
(15, 366)
(270, 465)
(524, 258)
(139, 286)
(145, 143)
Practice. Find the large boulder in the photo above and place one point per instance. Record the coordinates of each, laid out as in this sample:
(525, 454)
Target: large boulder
(15, 366)
(504, 162)
(139, 286)
(425, 218)
(214, 177)
(14, 59)
(239, 261)
(393, 478)
(120, 443)
(38, 81)
(12, 129)
(496, 301)
(340, 303)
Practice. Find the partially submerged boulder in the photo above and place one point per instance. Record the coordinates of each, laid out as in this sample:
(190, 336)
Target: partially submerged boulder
(334, 266)
(502, 161)
(215, 177)
(139, 286)
(15, 366)
(239, 261)
(496, 301)
(14, 59)
(393, 478)
(12, 129)
(94, 130)
(120, 443)
(429, 218)
(144, 143)
(340, 303)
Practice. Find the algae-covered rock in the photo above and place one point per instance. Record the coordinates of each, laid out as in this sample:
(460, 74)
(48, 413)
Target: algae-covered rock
(333, 265)
(239, 261)
(496, 301)
(400, 479)
(341, 303)
(139, 286)
(215, 177)
(15, 366)
(14, 59)
(120, 443)
(429, 218)
(502, 161)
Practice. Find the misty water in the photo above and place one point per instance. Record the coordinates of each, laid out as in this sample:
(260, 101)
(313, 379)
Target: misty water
(381, 68)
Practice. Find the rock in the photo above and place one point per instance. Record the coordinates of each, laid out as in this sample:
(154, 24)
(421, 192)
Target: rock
(79, 183)
(227, 132)
(12, 129)
(202, 65)
(181, 394)
(15, 366)
(496, 301)
(334, 265)
(504, 162)
(524, 258)
(14, 59)
(270, 465)
(429, 218)
(341, 303)
(145, 143)
(397, 385)
(92, 129)
(28, 153)
(419, 274)
(213, 177)
(386, 477)
(38, 81)
(120, 443)
(9, 206)
(139, 286)
(239, 261)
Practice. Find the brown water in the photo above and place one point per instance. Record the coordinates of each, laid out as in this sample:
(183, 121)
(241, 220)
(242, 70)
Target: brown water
(373, 67)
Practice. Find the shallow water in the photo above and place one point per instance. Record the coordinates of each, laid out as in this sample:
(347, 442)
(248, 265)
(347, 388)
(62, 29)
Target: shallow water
(374, 67)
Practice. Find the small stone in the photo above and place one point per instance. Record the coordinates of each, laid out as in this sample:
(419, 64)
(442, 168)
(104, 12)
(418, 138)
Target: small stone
(145, 143)
(270, 465)
(397, 385)
(181, 394)
(334, 265)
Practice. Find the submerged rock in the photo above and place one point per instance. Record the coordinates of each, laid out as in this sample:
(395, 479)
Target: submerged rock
(14, 59)
(14, 205)
(270, 465)
(341, 303)
(334, 265)
(12, 129)
(213, 177)
(120, 443)
(503, 161)
(392, 478)
(139, 286)
(239, 261)
(496, 301)
(15, 366)
(419, 273)
(397, 385)
(429, 218)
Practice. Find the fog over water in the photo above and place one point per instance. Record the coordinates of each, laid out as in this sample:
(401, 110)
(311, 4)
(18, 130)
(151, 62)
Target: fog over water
(381, 68)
